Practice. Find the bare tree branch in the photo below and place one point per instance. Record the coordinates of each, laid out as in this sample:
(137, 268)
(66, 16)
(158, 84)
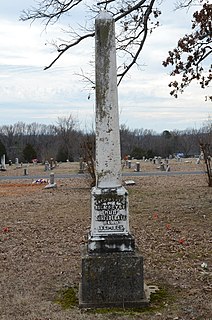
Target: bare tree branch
(62, 51)
(49, 10)
(145, 32)
(134, 20)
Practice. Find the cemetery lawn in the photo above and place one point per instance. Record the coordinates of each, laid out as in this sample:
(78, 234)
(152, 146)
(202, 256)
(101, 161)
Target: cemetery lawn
(41, 231)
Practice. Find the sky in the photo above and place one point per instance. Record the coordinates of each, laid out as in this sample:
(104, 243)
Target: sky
(30, 94)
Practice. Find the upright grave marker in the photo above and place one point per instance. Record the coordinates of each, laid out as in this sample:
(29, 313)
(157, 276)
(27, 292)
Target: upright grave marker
(110, 220)
(3, 165)
(17, 162)
(112, 270)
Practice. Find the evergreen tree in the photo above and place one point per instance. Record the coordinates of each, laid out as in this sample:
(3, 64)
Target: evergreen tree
(2, 149)
(29, 153)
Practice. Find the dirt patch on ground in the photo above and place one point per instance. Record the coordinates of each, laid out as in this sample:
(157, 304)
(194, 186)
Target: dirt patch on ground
(41, 231)
(17, 189)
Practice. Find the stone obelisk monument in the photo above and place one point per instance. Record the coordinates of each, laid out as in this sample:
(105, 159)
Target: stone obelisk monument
(112, 270)
(110, 220)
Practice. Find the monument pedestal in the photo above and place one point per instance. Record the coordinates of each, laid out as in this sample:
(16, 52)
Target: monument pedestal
(112, 280)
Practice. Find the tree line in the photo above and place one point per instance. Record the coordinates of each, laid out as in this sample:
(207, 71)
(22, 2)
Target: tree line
(66, 141)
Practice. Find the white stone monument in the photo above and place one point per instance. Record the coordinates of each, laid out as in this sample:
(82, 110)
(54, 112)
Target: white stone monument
(112, 270)
(3, 165)
(52, 183)
(110, 218)
(16, 162)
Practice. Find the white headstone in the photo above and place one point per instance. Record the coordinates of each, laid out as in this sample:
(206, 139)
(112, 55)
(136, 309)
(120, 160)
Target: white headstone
(3, 165)
(51, 183)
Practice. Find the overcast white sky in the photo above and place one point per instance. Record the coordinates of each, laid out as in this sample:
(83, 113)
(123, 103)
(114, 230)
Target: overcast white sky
(30, 94)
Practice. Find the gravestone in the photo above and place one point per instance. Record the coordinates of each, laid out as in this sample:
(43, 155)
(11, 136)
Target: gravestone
(51, 163)
(112, 268)
(3, 165)
(81, 162)
(168, 168)
(198, 161)
(16, 162)
(138, 166)
(162, 167)
(52, 183)
(46, 166)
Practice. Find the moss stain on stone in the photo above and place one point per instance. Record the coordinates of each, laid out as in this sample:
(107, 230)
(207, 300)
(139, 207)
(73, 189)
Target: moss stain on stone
(67, 298)
(103, 34)
(103, 174)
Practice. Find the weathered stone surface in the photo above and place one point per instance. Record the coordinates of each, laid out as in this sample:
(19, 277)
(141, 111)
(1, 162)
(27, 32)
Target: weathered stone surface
(108, 161)
(109, 211)
(112, 272)
(111, 243)
(2, 164)
(112, 280)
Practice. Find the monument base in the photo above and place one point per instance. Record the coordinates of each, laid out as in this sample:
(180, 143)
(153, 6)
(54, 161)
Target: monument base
(112, 280)
(111, 243)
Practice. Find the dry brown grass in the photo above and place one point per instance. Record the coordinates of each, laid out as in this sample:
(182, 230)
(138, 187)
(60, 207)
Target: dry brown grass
(41, 231)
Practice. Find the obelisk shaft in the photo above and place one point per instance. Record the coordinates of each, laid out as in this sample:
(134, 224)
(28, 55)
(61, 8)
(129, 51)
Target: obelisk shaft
(110, 219)
(108, 155)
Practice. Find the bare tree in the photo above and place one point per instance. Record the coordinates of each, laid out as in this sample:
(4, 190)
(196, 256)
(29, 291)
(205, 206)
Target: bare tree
(88, 155)
(66, 131)
(134, 20)
(205, 148)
